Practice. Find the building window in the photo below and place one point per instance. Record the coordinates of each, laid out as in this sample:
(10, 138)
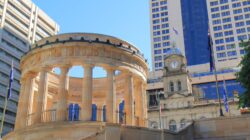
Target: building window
(213, 3)
(221, 55)
(183, 123)
(230, 39)
(157, 39)
(165, 38)
(220, 48)
(223, 1)
(164, 8)
(228, 26)
(242, 37)
(171, 86)
(242, 52)
(238, 17)
(231, 53)
(215, 15)
(156, 21)
(236, 5)
(225, 7)
(156, 33)
(230, 46)
(158, 58)
(179, 85)
(218, 34)
(156, 27)
(164, 14)
(219, 41)
(242, 30)
(158, 45)
(215, 9)
(238, 11)
(157, 51)
(226, 20)
(166, 44)
(172, 125)
(165, 25)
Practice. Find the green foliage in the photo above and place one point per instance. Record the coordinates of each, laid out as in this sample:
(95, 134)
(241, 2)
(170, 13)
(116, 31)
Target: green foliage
(244, 75)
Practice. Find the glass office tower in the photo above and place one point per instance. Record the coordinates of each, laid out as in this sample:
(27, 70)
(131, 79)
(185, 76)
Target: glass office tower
(21, 24)
(183, 23)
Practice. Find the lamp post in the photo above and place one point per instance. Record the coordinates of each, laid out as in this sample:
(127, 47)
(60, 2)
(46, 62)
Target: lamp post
(159, 107)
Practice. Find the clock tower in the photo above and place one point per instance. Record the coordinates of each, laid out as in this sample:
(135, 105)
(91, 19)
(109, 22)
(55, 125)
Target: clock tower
(175, 75)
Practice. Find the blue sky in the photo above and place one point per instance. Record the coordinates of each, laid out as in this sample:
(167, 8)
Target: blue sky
(126, 19)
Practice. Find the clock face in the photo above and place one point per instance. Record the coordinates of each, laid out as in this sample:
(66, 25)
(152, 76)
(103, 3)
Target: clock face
(174, 64)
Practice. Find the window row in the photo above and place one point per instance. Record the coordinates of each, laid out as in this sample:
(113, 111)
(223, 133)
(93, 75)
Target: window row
(157, 15)
(157, 27)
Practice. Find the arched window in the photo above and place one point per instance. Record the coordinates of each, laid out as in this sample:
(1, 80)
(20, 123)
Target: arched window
(172, 125)
(183, 123)
(179, 85)
(154, 124)
(171, 86)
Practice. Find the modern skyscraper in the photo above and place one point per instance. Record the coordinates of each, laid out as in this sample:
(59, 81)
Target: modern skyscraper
(229, 22)
(180, 23)
(21, 24)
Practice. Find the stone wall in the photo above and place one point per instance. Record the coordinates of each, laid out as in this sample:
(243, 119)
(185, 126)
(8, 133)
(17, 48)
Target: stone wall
(138, 133)
(224, 128)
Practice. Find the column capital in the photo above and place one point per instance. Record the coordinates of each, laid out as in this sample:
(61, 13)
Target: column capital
(86, 65)
(46, 68)
(31, 74)
(28, 75)
(128, 74)
(109, 68)
(65, 66)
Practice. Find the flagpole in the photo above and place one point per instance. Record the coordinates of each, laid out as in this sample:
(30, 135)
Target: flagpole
(215, 74)
(6, 99)
(3, 116)
(159, 107)
(227, 96)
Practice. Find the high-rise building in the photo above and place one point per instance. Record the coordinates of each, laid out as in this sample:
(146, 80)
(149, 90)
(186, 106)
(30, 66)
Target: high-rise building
(21, 24)
(180, 23)
(229, 23)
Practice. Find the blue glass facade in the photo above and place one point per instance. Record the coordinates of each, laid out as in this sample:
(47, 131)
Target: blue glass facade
(207, 91)
(195, 30)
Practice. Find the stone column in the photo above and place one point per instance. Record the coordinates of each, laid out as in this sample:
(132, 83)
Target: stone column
(61, 111)
(111, 96)
(25, 104)
(42, 95)
(31, 98)
(144, 104)
(99, 112)
(19, 115)
(129, 99)
(86, 108)
(138, 103)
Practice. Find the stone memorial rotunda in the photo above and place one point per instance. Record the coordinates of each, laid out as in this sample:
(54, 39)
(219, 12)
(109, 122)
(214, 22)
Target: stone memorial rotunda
(56, 106)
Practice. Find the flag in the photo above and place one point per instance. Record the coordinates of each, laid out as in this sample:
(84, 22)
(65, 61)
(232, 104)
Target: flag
(210, 45)
(225, 96)
(175, 31)
(11, 78)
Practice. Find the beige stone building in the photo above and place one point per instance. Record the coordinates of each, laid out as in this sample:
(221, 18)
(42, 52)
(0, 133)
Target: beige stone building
(179, 104)
(46, 98)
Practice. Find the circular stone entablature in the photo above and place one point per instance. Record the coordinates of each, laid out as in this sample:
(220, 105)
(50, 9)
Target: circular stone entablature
(78, 49)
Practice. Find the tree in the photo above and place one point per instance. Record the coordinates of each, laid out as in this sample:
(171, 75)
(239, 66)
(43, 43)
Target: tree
(243, 76)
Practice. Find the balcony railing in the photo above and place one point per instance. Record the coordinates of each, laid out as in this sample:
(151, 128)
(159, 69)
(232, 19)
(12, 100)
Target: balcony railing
(47, 116)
